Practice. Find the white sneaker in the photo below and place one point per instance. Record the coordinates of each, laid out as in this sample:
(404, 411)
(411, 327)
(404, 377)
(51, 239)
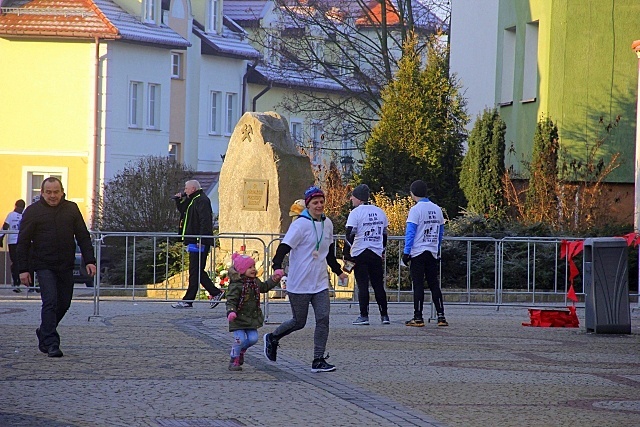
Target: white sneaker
(182, 304)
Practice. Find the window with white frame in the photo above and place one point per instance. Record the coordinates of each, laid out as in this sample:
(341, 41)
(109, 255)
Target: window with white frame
(346, 155)
(270, 49)
(318, 59)
(508, 66)
(176, 65)
(317, 136)
(296, 132)
(153, 106)
(174, 151)
(135, 104)
(530, 81)
(231, 112)
(149, 11)
(34, 178)
(215, 117)
(212, 16)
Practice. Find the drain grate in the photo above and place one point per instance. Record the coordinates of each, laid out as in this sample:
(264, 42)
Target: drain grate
(199, 422)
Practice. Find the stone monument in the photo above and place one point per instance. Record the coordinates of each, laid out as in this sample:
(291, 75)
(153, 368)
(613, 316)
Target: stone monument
(262, 175)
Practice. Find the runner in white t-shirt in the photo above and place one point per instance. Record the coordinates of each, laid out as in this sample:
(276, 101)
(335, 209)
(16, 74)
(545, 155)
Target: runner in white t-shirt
(425, 228)
(12, 222)
(367, 234)
(309, 241)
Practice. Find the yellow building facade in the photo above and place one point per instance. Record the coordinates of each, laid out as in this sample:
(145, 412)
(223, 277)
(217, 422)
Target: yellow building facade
(47, 118)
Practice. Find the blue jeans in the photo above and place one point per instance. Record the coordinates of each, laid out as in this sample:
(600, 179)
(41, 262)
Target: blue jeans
(56, 291)
(242, 340)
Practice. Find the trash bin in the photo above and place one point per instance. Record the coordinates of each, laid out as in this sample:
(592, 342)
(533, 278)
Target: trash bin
(606, 285)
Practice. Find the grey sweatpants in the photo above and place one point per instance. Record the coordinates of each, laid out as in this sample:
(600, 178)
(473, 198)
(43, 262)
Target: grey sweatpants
(300, 309)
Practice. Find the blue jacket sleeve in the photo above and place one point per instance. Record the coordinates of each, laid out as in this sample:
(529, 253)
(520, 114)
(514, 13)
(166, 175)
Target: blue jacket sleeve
(409, 236)
(440, 235)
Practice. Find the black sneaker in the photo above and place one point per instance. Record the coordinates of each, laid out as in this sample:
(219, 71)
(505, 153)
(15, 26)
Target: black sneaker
(415, 322)
(270, 347)
(442, 321)
(54, 351)
(215, 300)
(43, 348)
(385, 320)
(321, 365)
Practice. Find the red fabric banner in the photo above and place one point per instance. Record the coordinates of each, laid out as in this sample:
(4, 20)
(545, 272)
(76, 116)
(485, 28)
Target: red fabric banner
(569, 250)
(553, 318)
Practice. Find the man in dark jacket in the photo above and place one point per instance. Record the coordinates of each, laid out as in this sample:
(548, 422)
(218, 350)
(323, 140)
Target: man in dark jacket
(196, 220)
(47, 239)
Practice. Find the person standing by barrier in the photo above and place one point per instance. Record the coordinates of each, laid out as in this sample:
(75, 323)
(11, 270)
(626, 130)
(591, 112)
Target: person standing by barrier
(47, 240)
(12, 222)
(196, 220)
(367, 236)
(310, 241)
(425, 228)
(243, 305)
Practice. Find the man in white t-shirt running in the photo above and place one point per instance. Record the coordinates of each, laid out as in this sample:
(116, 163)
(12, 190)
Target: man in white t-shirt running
(366, 234)
(309, 241)
(425, 228)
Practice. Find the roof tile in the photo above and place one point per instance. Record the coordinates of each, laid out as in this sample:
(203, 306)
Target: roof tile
(82, 19)
(63, 18)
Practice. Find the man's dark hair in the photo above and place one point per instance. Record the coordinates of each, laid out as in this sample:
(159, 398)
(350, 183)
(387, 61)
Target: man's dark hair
(20, 204)
(51, 179)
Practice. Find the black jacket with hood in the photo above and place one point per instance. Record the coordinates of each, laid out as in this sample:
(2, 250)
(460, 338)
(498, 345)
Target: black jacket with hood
(48, 235)
(196, 217)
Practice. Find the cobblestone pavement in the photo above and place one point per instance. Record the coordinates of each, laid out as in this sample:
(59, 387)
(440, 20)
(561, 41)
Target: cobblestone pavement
(146, 364)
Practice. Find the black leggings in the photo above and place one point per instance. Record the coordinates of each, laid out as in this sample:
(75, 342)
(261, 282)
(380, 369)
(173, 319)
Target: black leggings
(424, 266)
(368, 269)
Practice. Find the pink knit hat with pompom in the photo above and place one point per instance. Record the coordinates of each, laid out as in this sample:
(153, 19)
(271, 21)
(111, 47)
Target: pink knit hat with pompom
(241, 263)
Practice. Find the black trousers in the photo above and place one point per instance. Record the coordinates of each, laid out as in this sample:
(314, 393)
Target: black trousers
(13, 256)
(197, 275)
(369, 270)
(56, 292)
(425, 266)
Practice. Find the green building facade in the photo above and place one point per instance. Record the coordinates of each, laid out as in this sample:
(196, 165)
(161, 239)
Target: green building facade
(569, 60)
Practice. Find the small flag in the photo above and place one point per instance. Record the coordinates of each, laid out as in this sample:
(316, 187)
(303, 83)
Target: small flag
(571, 294)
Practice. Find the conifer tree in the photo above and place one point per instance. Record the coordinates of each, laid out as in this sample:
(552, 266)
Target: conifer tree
(483, 166)
(421, 129)
(542, 201)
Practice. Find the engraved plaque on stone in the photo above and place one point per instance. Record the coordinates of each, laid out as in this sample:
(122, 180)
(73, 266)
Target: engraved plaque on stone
(254, 195)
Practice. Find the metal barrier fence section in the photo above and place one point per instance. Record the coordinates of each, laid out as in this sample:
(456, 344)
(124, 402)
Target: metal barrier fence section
(473, 270)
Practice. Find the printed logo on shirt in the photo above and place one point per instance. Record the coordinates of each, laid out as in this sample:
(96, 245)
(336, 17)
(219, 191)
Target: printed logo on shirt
(431, 228)
(372, 228)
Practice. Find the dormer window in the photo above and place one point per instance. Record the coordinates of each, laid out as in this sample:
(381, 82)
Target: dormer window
(213, 16)
(149, 11)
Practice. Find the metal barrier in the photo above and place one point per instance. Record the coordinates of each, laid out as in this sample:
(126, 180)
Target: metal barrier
(473, 270)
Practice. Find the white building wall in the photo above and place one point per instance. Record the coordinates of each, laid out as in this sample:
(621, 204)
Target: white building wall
(192, 75)
(474, 45)
(127, 62)
(222, 75)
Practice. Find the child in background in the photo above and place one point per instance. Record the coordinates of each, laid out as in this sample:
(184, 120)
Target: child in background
(243, 305)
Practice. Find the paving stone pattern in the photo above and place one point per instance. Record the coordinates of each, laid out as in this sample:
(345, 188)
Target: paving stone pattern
(146, 364)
